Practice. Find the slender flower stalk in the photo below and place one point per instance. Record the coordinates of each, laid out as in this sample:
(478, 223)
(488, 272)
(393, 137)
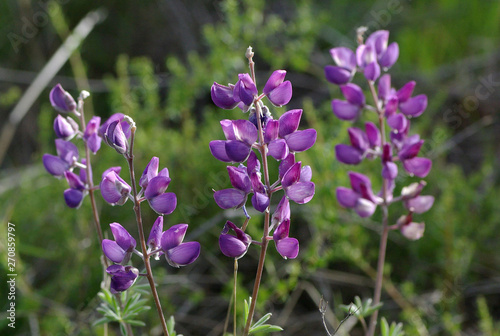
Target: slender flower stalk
(142, 239)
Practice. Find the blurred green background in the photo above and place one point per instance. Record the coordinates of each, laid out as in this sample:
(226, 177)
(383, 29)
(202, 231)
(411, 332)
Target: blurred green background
(156, 61)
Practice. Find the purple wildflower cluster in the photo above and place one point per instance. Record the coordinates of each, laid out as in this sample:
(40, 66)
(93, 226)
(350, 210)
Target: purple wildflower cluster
(276, 138)
(394, 108)
(116, 132)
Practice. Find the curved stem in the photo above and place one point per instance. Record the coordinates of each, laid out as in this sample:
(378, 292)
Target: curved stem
(138, 217)
(385, 227)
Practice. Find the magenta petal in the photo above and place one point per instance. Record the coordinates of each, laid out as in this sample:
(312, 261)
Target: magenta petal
(239, 179)
(281, 95)
(410, 148)
(289, 122)
(184, 254)
(420, 204)
(291, 176)
(232, 247)
(305, 174)
(358, 138)
(67, 151)
(94, 142)
(347, 197)
(73, 197)
(418, 166)
(414, 106)
(378, 40)
(301, 192)
(156, 186)
(282, 211)
(74, 181)
(300, 141)
(288, 247)
(260, 201)
(364, 207)
(111, 250)
(353, 94)
(397, 122)
(222, 96)
(389, 170)
(61, 100)
(173, 237)
(109, 189)
(348, 154)
(63, 128)
(345, 110)
(163, 204)
(229, 198)
(122, 237)
(278, 149)
(337, 75)
(54, 165)
(218, 150)
(286, 164)
(390, 56)
(237, 151)
(253, 163)
(149, 172)
(384, 87)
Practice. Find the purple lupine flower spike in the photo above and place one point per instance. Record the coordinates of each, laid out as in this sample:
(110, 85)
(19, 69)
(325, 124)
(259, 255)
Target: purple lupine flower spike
(234, 246)
(61, 100)
(176, 252)
(346, 66)
(288, 247)
(65, 128)
(114, 189)
(278, 91)
(122, 277)
(120, 249)
(91, 135)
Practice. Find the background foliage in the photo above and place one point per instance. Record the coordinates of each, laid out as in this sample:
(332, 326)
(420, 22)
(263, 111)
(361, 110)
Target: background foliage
(156, 61)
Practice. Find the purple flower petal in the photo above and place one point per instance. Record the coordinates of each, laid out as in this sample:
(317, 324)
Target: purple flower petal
(378, 40)
(154, 240)
(260, 201)
(353, 94)
(122, 280)
(253, 164)
(237, 151)
(384, 87)
(218, 150)
(289, 122)
(282, 211)
(61, 100)
(305, 174)
(418, 166)
(245, 89)
(300, 192)
(276, 78)
(278, 149)
(122, 237)
(345, 110)
(288, 247)
(390, 56)
(184, 254)
(232, 247)
(150, 171)
(281, 95)
(54, 165)
(358, 138)
(113, 251)
(94, 142)
(230, 198)
(389, 170)
(337, 75)
(413, 231)
(164, 204)
(239, 179)
(410, 149)
(228, 129)
(347, 197)
(372, 71)
(364, 207)
(414, 106)
(63, 128)
(397, 122)
(286, 164)
(344, 57)
(245, 131)
(173, 237)
(420, 204)
(156, 186)
(348, 154)
(74, 181)
(373, 135)
(73, 198)
(300, 141)
(67, 151)
(405, 92)
(222, 96)
(291, 176)
(271, 130)
(114, 189)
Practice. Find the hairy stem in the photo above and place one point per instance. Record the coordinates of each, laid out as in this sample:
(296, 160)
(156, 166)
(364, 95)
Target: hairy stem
(385, 227)
(138, 217)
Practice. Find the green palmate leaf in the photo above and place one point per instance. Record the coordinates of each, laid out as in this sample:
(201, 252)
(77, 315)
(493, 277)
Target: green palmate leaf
(395, 329)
